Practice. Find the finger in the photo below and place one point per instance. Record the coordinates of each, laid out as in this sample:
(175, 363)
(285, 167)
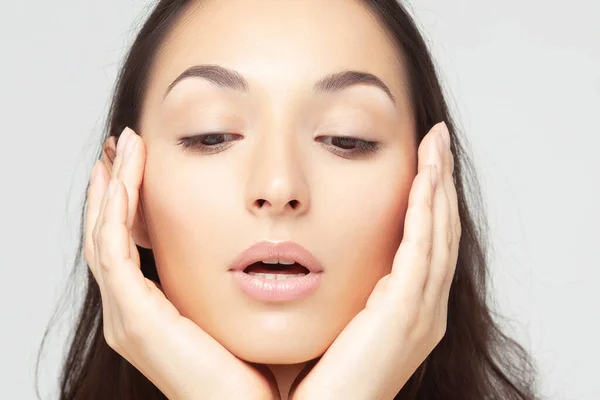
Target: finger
(121, 141)
(96, 189)
(427, 152)
(99, 273)
(414, 253)
(442, 234)
(455, 225)
(130, 172)
(411, 262)
(122, 276)
(115, 166)
(99, 220)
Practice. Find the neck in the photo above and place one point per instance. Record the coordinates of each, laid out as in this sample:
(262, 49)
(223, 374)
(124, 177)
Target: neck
(284, 375)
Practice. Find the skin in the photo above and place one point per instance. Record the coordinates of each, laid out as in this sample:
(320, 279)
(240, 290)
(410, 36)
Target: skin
(197, 211)
(200, 209)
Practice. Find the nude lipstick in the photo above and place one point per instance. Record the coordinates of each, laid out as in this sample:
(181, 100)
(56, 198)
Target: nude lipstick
(277, 271)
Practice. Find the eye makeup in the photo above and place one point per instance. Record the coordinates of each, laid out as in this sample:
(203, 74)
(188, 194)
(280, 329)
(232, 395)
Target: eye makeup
(344, 146)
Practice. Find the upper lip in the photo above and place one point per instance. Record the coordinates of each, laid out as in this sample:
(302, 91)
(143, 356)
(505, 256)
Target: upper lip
(285, 250)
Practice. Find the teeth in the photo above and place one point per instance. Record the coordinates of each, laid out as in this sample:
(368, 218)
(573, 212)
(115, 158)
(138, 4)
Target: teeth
(276, 277)
(277, 261)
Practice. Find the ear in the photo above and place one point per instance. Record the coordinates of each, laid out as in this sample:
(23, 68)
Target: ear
(109, 152)
(140, 230)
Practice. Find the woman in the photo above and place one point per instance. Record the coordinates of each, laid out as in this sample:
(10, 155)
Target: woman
(280, 212)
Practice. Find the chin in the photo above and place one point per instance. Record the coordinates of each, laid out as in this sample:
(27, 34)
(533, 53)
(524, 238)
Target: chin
(266, 349)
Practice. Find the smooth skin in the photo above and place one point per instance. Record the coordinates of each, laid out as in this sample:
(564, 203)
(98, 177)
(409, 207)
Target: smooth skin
(280, 174)
(140, 323)
(404, 318)
(284, 177)
(406, 315)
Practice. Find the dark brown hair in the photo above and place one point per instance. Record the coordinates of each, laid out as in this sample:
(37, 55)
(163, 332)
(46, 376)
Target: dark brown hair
(474, 361)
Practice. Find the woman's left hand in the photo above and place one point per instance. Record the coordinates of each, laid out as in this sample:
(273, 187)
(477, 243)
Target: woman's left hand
(406, 314)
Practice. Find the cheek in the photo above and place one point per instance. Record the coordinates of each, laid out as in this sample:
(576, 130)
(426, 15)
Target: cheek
(185, 214)
(366, 219)
(184, 200)
(360, 227)
(176, 207)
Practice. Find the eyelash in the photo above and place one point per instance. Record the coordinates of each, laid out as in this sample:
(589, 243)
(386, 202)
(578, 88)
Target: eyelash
(362, 147)
(196, 142)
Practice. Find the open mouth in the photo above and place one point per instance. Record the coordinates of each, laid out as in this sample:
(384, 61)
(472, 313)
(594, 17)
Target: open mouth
(276, 271)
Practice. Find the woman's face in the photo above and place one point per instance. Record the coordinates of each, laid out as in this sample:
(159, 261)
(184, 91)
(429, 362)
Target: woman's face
(202, 209)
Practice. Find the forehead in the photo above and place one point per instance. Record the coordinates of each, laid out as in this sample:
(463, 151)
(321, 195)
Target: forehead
(278, 46)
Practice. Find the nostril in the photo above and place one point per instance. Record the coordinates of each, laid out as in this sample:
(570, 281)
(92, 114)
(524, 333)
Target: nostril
(293, 203)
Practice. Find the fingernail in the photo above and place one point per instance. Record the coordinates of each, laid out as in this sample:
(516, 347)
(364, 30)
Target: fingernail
(112, 188)
(445, 134)
(131, 143)
(441, 142)
(122, 140)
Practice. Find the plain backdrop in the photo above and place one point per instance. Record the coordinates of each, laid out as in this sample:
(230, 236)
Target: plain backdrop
(523, 80)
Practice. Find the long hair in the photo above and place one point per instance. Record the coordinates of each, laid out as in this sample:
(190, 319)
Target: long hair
(475, 360)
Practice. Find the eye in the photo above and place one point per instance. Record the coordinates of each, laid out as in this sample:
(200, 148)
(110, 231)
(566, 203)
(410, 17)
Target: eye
(208, 142)
(351, 147)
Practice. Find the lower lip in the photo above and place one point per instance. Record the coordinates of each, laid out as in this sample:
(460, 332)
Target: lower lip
(278, 290)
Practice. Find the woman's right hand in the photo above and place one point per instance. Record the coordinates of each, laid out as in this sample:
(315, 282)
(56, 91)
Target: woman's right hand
(140, 323)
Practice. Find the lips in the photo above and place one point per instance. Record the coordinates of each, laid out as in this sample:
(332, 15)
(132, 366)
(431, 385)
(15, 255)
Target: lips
(286, 269)
(285, 251)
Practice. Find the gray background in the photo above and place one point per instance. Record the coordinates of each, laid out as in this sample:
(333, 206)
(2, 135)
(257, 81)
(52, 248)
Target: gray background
(523, 78)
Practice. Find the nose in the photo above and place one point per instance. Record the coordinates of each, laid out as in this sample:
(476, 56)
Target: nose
(277, 184)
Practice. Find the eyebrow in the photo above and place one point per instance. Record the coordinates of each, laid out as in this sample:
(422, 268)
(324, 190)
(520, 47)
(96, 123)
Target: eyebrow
(231, 79)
